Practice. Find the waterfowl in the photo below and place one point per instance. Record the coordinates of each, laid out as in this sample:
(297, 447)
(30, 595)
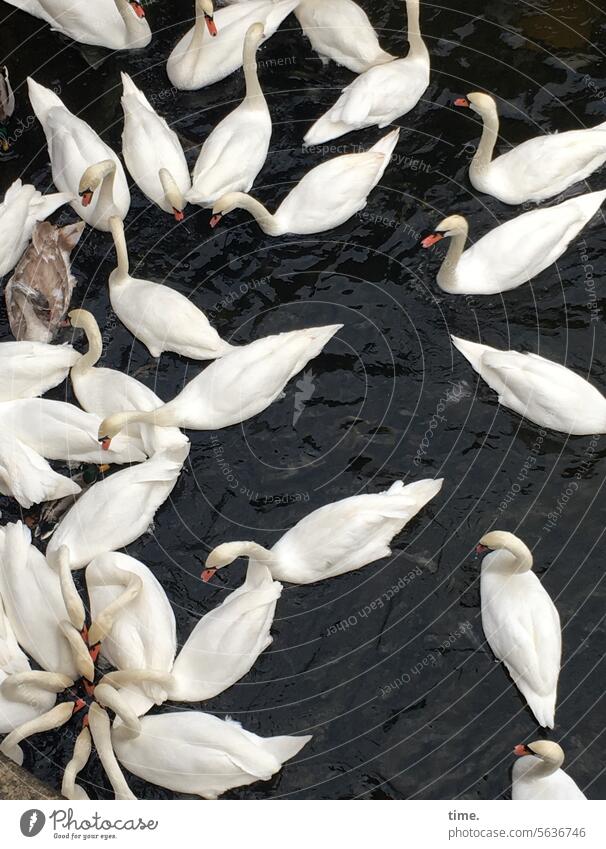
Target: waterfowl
(7, 107)
(382, 93)
(537, 775)
(21, 208)
(337, 538)
(53, 509)
(60, 431)
(40, 290)
(116, 24)
(234, 152)
(233, 389)
(195, 752)
(160, 317)
(27, 477)
(514, 252)
(199, 59)
(30, 369)
(340, 30)
(104, 391)
(548, 394)
(537, 169)
(118, 509)
(326, 197)
(520, 621)
(81, 161)
(152, 152)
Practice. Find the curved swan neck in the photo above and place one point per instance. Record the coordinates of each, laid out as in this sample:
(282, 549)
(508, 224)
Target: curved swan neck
(107, 171)
(253, 86)
(542, 768)
(117, 228)
(416, 43)
(132, 23)
(264, 218)
(172, 192)
(448, 269)
(490, 132)
(95, 344)
(509, 553)
(163, 416)
(256, 552)
(198, 32)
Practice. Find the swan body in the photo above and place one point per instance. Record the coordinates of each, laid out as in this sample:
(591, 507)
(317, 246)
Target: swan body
(340, 30)
(60, 431)
(227, 641)
(381, 94)
(199, 59)
(30, 369)
(514, 252)
(74, 148)
(194, 752)
(326, 197)
(115, 24)
(22, 207)
(39, 292)
(536, 775)
(337, 538)
(548, 394)
(537, 169)
(160, 317)
(103, 391)
(234, 388)
(152, 152)
(521, 622)
(27, 477)
(117, 510)
(235, 151)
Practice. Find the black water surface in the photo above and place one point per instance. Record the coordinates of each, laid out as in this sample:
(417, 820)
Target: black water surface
(404, 700)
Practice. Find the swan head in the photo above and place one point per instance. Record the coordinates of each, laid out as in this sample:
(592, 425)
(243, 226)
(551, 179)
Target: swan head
(221, 556)
(172, 193)
(506, 541)
(81, 318)
(110, 427)
(92, 179)
(208, 11)
(454, 225)
(478, 102)
(255, 33)
(546, 750)
(137, 8)
(226, 203)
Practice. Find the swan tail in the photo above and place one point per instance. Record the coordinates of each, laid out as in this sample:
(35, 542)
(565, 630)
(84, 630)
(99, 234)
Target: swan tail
(325, 129)
(164, 466)
(45, 205)
(543, 708)
(472, 351)
(589, 204)
(42, 99)
(131, 93)
(284, 748)
(387, 144)
(404, 502)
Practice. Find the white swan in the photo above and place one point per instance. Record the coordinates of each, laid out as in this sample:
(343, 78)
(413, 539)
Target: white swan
(336, 538)
(160, 317)
(537, 776)
(381, 94)
(74, 148)
(520, 621)
(234, 388)
(227, 641)
(103, 391)
(152, 152)
(116, 24)
(21, 209)
(115, 511)
(340, 30)
(324, 198)
(548, 394)
(537, 169)
(514, 252)
(30, 369)
(234, 152)
(194, 752)
(27, 477)
(199, 59)
(60, 431)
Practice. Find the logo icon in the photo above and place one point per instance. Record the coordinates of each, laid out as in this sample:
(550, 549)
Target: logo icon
(32, 822)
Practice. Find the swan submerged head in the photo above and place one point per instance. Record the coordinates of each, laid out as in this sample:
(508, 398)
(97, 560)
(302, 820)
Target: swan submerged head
(548, 751)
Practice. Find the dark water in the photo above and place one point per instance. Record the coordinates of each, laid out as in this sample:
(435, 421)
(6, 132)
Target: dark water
(404, 700)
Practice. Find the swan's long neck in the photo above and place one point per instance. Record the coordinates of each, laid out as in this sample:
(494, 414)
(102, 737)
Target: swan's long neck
(417, 45)
(448, 270)
(512, 556)
(266, 221)
(256, 552)
(132, 23)
(117, 229)
(490, 131)
(254, 92)
(95, 347)
(105, 200)
(163, 416)
(542, 768)
(197, 35)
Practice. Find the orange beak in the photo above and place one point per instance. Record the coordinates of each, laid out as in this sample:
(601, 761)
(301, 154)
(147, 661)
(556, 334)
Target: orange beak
(78, 705)
(481, 549)
(105, 443)
(138, 9)
(430, 240)
(462, 101)
(179, 214)
(207, 574)
(210, 25)
(520, 750)
(86, 196)
(215, 220)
